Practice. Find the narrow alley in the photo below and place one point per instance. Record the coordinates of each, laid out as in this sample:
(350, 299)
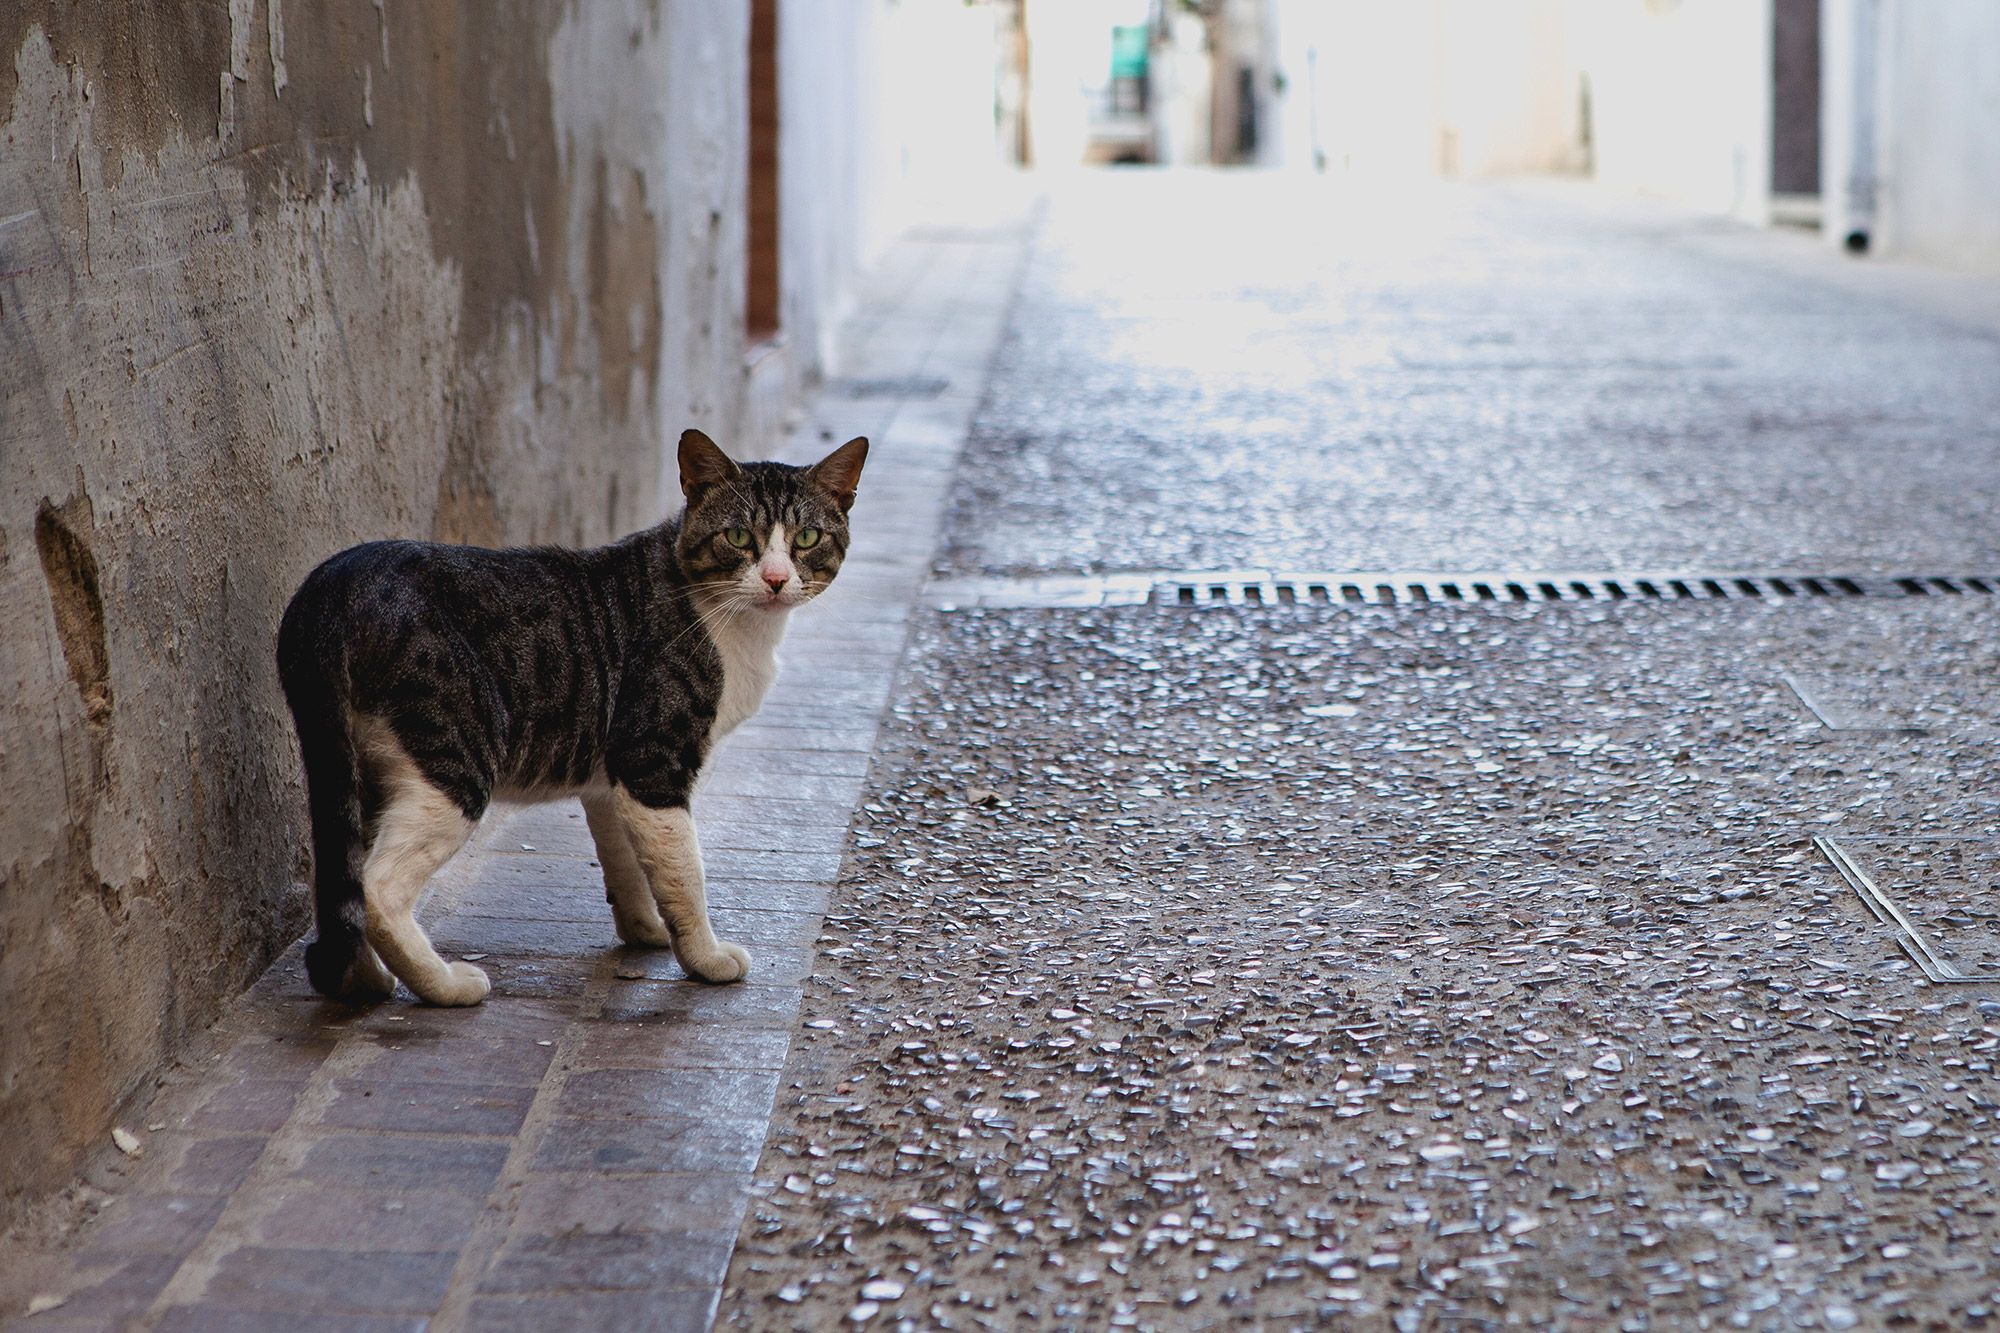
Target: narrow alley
(1405, 738)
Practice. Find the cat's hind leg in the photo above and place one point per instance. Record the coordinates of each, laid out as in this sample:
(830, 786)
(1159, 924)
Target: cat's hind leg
(418, 830)
(663, 840)
(369, 975)
(632, 907)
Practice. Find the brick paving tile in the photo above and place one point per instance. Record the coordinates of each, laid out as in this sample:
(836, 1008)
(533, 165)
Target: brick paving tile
(304, 1217)
(838, 788)
(550, 977)
(610, 1260)
(628, 1046)
(521, 1062)
(521, 878)
(154, 1224)
(778, 914)
(501, 1018)
(279, 1055)
(471, 932)
(773, 961)
(113, 1288)
(418, 1107)
(637, 1094)
(575, 896)
(744, 896)
(404, 1162)
(690, 1144)
(555, 829)
(768, 811)
(343, 1281)
(733, 863)
(802, 739)
(743, 835)
(686, 1311)
(778, 766)
(208, 1165)
(212, 1319)
(259, 1105)
(551, 1203)
(747, 1004)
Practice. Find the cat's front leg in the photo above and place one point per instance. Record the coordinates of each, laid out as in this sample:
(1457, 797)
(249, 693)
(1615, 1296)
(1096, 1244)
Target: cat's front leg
(632, 907)
(663, 841)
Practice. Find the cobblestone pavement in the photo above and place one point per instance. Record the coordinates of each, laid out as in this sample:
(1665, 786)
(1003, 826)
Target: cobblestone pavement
(1422, 966)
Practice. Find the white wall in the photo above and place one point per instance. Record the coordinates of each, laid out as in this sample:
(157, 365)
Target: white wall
(1435, 87)
(1359, 87)
(883, 106)
(1069, 67)
(1849, 107)
(1183, 95)
(826, 67)
(1508, 88)
(1681, 99)
(1938, 106)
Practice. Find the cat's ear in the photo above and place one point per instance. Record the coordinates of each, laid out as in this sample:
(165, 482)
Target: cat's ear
(840, 471)
(703, 463)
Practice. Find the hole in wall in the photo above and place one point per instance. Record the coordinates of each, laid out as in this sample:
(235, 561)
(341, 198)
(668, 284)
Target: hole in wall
(70, 570)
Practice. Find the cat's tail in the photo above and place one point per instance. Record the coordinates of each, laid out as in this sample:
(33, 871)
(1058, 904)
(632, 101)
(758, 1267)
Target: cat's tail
(333, 792)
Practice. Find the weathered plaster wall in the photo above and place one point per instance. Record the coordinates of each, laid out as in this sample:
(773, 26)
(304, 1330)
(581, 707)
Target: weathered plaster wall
(275, 279)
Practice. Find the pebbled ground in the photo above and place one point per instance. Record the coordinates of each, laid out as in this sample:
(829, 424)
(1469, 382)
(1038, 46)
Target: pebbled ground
(1452, 966)
(1427, 966)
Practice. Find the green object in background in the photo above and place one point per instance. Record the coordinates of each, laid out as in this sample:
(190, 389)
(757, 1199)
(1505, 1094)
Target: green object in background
(1129, 43)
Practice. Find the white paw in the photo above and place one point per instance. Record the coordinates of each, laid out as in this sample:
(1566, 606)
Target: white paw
(727, 962)
(463, 984)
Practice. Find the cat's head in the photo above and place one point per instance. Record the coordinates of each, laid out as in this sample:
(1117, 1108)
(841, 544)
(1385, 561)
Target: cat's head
(764, 536)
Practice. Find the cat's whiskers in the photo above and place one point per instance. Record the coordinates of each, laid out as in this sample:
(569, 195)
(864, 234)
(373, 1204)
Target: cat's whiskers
(709, 611)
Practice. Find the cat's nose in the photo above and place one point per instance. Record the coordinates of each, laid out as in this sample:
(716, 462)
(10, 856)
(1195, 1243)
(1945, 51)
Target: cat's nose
(775, 582)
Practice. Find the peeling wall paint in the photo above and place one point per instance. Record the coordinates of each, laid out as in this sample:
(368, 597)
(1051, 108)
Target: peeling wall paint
(274, 281)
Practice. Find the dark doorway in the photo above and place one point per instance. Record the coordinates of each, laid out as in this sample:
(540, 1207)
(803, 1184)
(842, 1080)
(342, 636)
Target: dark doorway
(1246, 113)
(1795, 62)
(762, 304)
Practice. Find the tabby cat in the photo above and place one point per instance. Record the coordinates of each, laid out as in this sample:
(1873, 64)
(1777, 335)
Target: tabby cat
(427, 680)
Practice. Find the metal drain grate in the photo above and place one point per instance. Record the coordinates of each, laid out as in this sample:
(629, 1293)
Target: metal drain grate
(1257, 587)
(898, 386)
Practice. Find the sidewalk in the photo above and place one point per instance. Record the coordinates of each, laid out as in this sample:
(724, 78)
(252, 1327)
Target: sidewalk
(577, 1151)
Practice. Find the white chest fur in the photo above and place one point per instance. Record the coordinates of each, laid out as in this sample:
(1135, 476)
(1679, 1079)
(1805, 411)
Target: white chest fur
(748, 643)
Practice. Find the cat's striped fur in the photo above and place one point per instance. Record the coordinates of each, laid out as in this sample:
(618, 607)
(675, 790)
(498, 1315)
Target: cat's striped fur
(425, 680)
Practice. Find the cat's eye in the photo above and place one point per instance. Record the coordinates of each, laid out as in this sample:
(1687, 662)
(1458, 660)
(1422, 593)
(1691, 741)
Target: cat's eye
(737, 537)
(806, 539)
